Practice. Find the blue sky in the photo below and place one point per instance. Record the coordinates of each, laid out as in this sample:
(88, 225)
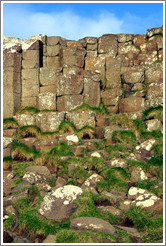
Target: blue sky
(77, 20)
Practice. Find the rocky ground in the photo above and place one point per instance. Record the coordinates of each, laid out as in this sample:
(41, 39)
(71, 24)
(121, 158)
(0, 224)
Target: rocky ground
(101, 183)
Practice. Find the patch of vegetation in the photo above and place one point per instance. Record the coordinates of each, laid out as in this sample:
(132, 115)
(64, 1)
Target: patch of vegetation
(7, 159)
(67, 127)
(86, 208)
(158, 61)
(22, 152)
(86, 132)
(79, 175)
(9, 123)
(117, 150)
(70, 236)
(156, 134)
(9, 222)
(133, 163)
(156, 161)
(153, 113)
(100, 110)
(122, 120)
(149, 225)
(28, 110)
(139, 125)
(123, 236)
(101, 145)
(19, 168)
(125, 137)
(150, 185)
(158, 149)
(114, 179)
(61, 149)
(18, 181)
(124, 92)
(29, 131)
(52, 182)
(90, 163)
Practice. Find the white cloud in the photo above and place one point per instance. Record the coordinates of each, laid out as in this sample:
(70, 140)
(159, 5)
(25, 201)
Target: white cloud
(21, 23)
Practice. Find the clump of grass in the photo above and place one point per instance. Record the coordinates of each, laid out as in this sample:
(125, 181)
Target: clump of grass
(7, 161)
(86, 132)
(114, 179)
(22, 152)
(9, 123)
(61, 149)
(153, 113)
(9, 222)
(100, 110)
(28, 110)
(90, 163)
(29, 131)
(118, 149)
(150, 186)
(156, 161)
(19, 168)
(158, 149)
(123, 236)
(156, 134)
(52, 182)
(48, 135)
(133, 163)
(70, 236)
(17, 182)
(67, 127)
(125, 137)
(79, 175)
(86, 208)
(123, 120)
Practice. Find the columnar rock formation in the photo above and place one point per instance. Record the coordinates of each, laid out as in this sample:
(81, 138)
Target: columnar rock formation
(124, 71)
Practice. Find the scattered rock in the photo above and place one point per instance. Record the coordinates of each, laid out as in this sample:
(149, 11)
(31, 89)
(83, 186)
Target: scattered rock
(132, 231)
(41, 170)
(111, 209)
(59, 204)
(118, 162)
(154, 124)
(96, 154)
(91, 181)
(138, 174)
(92, 224)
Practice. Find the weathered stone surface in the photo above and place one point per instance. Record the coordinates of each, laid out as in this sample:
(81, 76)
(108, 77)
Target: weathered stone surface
(7, 182)
(133, 77)
(53, 61)
(48, 89)
(49, 76)
(142, 197)
(154, 124)
(69, 102)
(73, 56)
(69, 85)
(30, 59)
(139, 39)
(53, 50)
(111, 97)
(45, 144)
(113, 68)
(91, 92)
(9, 200)
(25, 119)
(112, 210)
(138, 174)
(125, 205)
(154, 31)
(147, 145)
(91, 181)
(50, 239)
(67, 71)
(7, 151)
(73, 44)
(154, 90)
(47, 101)
(95, 64)
(108, 130)
(30, 142)
(122, 38)
(39, 180)
(92, 224)
(118, 162)
(29, 101)
(108, 44)
(81, 118)
(9, 132)
(21, 186)
(154, 73)
(60, 203)
(54, 40)
(132, 231)
(7, 141)
(49, 121)
(41, 170)
(127, 49)
(131, 104)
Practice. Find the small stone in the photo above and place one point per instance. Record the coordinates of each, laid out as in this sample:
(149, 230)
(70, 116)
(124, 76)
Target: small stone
(96, 154)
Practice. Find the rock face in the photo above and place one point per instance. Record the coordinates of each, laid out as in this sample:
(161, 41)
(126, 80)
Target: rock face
(53, 73)
(59, 204)
(81, 118)
(92, 224)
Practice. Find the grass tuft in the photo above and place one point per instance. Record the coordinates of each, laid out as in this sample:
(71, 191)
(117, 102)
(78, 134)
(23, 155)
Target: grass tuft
(9, 123)
(28, 110)
(100, 110)
(153, 113)
(22, 152)
(29, 131)
(125, 137)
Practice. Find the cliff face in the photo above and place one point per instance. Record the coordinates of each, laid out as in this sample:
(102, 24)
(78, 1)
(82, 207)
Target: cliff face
(123, 71)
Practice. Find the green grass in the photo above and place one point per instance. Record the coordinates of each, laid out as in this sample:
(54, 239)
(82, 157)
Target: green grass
(16, 182)
(133, 163)
(79, 175)
(66, 127)
(123, 236)
(29, 131)
(125, 137)
(19, 168)
(150, 186)
(28, 110)
(122, 120)
(22, 152)
(158, 149)
(100, 110)
(70, 236)
(153, 113)
(7, 159)
(52, 182)
(139, 125)
(86, 131)
(156, 134)
(86, 208)
(9, 223)
(117, 149)
(61, 149)
(114, 179)
(158, 61)
(9, 123)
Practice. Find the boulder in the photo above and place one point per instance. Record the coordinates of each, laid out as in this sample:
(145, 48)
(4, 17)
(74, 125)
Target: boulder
(154, 124)
(81, 118)
(112, 210)
(91, 181)
(113, 70)
(118, 162)
(147, 145)
(49, 121)
(59, 204)
(138, 174)
(41, 170)
(12, 199)
(7, 142)
(92, 224)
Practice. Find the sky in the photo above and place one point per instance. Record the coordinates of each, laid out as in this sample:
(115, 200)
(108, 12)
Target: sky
(77, 20)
